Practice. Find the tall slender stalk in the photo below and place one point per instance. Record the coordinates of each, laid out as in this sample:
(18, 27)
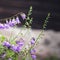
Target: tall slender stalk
(41, 33)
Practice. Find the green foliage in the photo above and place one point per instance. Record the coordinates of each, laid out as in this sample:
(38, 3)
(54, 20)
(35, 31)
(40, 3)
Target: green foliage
(2, 38)
(28, 20)
(46, 20)
(1, 49)
(9, 53)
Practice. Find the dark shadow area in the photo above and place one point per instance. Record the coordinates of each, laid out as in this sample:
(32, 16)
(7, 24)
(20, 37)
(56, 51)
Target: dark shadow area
(40, 10)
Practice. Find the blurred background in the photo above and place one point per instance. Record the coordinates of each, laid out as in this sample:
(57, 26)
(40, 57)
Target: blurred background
(41, 8)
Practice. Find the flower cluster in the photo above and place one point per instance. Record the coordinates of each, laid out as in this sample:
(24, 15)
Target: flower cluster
(16, 48)
(10, 23)
(33, 51)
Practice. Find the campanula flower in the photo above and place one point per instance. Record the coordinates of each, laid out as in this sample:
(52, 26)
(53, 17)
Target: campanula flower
(15, 48)
(17, 20)
(23, 15)
(33, 57)
(33, 40)
(32, 52)
(1, 26)
(7, 44)
(10, 23)
(6, 26)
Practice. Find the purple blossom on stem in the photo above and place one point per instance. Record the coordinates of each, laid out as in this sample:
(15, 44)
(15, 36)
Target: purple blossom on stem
(19, 45)
(10, 23)
(7, 44)
(23, 15)
(17, 20)
(33, 40)
(33, 57)
(16, 48)
(32, 52)
(1, 26)
(6, 26)
(20, 42)
(14, 21)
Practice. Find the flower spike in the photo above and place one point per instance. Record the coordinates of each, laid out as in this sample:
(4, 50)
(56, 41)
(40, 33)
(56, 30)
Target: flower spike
(17, 20)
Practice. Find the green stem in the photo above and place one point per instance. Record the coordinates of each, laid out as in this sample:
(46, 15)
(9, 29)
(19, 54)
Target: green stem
(40, 34)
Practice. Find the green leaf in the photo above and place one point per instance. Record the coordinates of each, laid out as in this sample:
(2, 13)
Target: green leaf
(10, 53)
(2, 38)
(1, 50)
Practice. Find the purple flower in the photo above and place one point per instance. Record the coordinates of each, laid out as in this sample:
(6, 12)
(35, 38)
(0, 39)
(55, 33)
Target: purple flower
(7, 44)
(16, 48)
(19, 43)
(6, 26)
(14, 21)
(17, 20)
(10, 23)
(33, 57)
(32, 52)
(33, 40)
(23, 16)
(1, 26)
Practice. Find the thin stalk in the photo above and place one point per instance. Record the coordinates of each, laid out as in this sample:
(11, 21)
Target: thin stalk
(40, 34)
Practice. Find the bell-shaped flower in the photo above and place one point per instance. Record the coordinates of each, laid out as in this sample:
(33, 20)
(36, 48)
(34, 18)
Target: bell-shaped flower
(15, 48)
(1, 26)
(6, 44)
(23, 15)
(32, 52)
(17, 20)
(6, 26)
(20, 42)
(33, 57)
(10, 23)
(32, 40)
